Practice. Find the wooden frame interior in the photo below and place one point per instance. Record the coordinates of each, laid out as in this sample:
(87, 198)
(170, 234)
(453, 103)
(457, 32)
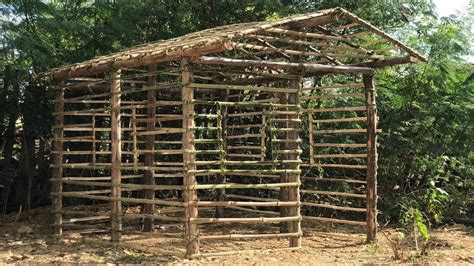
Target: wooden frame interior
(206, 129)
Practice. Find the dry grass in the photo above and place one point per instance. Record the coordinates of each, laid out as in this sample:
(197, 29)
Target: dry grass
(321, 244)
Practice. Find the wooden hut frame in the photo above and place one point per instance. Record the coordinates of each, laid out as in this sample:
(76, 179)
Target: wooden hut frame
(221, 111)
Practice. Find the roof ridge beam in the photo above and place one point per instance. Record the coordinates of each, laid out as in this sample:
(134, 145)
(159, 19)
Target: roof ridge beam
(304, 67)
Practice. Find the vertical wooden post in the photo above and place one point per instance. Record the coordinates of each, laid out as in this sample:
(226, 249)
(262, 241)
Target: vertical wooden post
(149, 178)
(190, 195)
(311, 138)
(94, 144)
(222, 179)
(57, 160)
(371, 158)
(283, 99)
(263, 149)
(134, 137)
(116, 143)
(294, 192)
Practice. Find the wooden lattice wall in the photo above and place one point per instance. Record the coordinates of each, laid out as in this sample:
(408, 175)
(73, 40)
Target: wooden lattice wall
(175, 146)
(265, 124)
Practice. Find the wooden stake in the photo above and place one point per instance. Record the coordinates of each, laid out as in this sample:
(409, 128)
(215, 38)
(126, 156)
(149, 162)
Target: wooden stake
(283, 99)
(94, 145)
(116, 143)
(134, 137)
(190, 195)
(57, 173)
(311, 138)
(372, 159)
(293, 192)
(222, 179)
(308, 67)
(150, 156)
(262, 140)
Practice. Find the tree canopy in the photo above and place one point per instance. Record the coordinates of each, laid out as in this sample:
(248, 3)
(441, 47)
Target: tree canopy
(426, 110)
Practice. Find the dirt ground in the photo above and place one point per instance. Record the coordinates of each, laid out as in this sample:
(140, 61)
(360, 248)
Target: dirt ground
(26, 238)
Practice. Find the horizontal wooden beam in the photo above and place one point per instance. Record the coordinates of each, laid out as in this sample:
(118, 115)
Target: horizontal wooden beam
(133, 60)
(267, 49)
(390, 62)
(307, 67)
(306, 34)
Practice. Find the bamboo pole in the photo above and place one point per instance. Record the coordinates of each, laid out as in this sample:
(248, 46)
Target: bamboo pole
(266, 49)
(134, 138)
(337, 120)
(253, 236)
(93, 133)
(326, 179)
(262, 140)
(88, 195)
(331, 96)
(334, 87)
(57, 173)
(339, 131)
(96, 178)
(233, 196)
(344, 155)
(333, 193)
(245, 220)
(253, 210)
(308, 67)
(329, 165)
(148, 178)
(247, 203)
(305, 34)
(372, 159)
(116, 160)
(190, 195)
(332, 220)
(253, 186)
(334, 207)
(335, 109)
(302, 43)
(342, 145)
(222, 135)
(235, 252)
(389, 62)
(238, 87)
(311, 138)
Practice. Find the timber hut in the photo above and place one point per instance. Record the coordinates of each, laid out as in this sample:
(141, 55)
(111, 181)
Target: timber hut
(265, 124)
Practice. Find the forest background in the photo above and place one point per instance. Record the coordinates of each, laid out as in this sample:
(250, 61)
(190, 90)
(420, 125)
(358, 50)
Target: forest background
(426, 110)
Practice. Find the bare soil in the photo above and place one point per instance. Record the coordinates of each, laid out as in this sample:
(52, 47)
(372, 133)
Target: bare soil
(27, 238)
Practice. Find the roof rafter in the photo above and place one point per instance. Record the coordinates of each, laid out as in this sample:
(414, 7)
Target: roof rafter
(221, 39)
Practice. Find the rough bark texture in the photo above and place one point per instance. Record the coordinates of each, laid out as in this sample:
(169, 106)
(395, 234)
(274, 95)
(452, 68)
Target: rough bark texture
(116, 141)
(190, 196)
(371, 159)
(57, 172)
(149, 178)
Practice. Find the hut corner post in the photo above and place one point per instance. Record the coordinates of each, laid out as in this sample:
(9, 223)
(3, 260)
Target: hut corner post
(57, 160)
(190, 195)
(294, 192)
(116, 158)
(149, 178)
(371, 158)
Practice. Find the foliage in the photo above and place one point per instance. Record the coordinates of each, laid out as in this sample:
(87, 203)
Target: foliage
(427, 117)
(426, 110)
